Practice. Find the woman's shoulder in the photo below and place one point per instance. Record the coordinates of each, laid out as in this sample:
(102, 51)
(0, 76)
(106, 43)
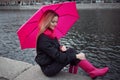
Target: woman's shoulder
(44, 37)
(44, 40)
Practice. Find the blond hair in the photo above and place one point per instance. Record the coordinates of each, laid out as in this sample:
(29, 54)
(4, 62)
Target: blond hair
(45, 20)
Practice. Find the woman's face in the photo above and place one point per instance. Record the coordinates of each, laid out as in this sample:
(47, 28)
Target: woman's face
(53, 23)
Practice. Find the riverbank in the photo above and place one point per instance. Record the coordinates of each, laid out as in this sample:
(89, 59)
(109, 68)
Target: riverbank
(79, 6)
(18, 70)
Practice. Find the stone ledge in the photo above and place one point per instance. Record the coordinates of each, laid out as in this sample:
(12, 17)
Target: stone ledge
(18, 70)
(35, 73)
(10, 69)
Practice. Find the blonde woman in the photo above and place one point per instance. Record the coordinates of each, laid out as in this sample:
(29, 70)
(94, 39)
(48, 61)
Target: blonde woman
(52, 57)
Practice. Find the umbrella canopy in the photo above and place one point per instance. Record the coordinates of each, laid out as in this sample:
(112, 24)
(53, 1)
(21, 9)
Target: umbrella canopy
(68, 15)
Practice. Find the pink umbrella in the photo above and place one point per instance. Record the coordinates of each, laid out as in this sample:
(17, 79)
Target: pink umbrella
(68, 15)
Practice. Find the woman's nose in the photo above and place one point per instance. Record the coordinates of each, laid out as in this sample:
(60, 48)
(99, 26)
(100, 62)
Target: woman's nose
(55, 24)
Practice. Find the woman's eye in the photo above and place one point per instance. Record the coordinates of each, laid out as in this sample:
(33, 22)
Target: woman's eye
(54, 21)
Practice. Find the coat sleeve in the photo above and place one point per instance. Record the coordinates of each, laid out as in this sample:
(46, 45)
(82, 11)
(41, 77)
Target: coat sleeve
(62, 57)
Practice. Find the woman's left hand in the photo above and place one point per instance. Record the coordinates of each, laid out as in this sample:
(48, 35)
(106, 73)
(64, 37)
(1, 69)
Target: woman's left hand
(63, 48)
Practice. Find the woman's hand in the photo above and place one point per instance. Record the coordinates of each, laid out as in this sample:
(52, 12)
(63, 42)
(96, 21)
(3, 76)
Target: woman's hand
(63, 48)
(80, 56)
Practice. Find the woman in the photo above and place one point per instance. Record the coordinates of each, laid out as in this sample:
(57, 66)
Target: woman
(52, 57)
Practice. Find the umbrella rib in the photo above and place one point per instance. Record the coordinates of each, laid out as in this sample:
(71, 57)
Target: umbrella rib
(34, 28)
(42, 10)
(31, 32)
(58, 7)
(31, 22)
(69, 14)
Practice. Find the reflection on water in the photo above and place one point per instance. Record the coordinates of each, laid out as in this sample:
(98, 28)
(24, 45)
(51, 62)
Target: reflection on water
(97, 33)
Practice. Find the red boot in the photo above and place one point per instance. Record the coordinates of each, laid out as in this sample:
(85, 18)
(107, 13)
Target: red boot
(73, 69)
(91, 70)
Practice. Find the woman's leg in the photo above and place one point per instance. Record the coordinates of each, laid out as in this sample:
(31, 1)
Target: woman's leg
(90, 69)
(73, 68)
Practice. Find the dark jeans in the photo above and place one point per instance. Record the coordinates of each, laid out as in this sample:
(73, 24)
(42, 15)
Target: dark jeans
(55, 68)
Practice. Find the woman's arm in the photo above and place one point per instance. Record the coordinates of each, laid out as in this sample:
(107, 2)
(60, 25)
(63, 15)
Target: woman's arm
(47, 48)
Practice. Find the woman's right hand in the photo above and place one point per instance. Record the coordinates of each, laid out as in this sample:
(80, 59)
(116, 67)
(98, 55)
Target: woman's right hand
(63, 48)
(80, 56)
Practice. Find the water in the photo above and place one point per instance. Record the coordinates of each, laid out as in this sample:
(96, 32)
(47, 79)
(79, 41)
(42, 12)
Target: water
(96, 33)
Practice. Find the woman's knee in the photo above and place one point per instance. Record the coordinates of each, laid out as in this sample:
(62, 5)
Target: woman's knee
(81, 56)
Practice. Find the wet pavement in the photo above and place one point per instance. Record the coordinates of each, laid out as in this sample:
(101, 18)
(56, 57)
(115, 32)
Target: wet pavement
(97, 33)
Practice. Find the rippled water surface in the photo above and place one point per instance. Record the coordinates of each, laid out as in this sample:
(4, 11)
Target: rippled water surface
(96, 33)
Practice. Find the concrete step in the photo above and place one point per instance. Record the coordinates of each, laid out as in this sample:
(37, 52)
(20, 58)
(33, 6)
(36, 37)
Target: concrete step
(35, 73)
(9, 69)
(18, 70)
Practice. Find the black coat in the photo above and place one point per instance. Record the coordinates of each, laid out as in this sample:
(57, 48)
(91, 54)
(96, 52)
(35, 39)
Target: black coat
(48, 51)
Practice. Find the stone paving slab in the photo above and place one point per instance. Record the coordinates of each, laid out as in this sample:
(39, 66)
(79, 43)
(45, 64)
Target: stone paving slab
(9, 69)
(18, 70)
(35, 73)
(2, 78)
